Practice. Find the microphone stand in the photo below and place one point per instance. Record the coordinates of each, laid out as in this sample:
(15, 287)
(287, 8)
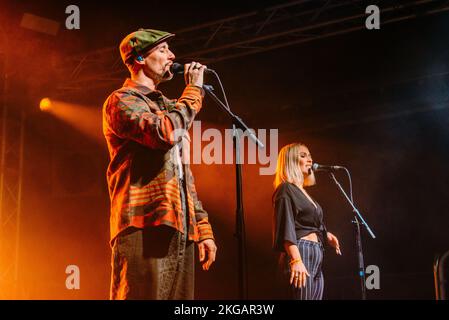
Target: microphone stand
(237, 124)
(358, 236)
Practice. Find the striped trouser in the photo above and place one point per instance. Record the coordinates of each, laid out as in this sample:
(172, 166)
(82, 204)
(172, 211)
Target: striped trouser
(312, 256)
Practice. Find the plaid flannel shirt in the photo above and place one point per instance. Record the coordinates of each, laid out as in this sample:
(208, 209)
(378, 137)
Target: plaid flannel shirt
(144, 170)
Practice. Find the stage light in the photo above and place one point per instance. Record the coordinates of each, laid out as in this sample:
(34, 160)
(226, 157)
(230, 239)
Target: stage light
(85, 119)
(39, 24)
(45, 104)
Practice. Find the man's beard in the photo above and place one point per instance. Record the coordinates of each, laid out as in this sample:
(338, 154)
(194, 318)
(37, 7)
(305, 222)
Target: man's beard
(158, 77)
(167, 76)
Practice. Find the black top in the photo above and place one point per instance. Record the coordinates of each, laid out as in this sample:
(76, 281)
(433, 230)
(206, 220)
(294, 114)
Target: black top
(295, 216)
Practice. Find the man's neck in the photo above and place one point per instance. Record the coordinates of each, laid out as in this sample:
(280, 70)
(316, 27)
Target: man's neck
(142, 79)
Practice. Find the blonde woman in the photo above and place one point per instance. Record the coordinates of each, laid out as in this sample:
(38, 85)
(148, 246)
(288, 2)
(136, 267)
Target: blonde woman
(299, 232)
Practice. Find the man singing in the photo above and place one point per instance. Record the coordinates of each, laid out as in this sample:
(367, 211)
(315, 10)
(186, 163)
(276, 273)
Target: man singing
(156, 216)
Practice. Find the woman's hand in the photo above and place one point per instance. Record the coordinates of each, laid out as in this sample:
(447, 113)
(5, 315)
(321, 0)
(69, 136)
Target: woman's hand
(298, 274)
(333, 242)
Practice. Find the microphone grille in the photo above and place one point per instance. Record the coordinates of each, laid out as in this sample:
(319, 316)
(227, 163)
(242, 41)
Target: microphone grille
(315, 166)
(177, 68)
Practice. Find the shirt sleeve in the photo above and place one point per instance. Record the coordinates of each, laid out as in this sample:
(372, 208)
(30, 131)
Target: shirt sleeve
(201, 215)
(129, 117)
(324, 232)
(283, 224)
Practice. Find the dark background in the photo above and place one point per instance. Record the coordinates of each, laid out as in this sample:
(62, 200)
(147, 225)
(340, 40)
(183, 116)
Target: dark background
(374, 101)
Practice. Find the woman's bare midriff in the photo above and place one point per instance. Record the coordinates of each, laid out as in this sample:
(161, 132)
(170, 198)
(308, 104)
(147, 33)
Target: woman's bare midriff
(311, 237)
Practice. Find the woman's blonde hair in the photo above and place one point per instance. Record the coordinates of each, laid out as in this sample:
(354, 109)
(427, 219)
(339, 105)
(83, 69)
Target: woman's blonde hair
(287, 168)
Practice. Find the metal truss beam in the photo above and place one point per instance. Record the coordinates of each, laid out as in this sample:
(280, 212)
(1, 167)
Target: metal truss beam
(11, 177)
(258, 31)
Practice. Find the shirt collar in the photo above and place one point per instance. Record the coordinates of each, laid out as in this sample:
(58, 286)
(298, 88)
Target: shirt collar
(142, 88)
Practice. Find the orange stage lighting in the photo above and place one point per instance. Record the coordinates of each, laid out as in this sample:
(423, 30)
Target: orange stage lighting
(45, 104)
(86, 119)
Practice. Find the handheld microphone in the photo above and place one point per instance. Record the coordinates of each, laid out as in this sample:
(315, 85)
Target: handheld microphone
(177, 68)
(320, 167)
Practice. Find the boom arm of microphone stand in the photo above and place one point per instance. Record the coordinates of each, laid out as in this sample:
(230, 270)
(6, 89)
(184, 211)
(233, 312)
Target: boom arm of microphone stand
(235, 119)
(353, 207)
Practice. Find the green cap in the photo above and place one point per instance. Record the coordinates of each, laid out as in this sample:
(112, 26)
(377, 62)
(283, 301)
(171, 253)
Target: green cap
(140, 41)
